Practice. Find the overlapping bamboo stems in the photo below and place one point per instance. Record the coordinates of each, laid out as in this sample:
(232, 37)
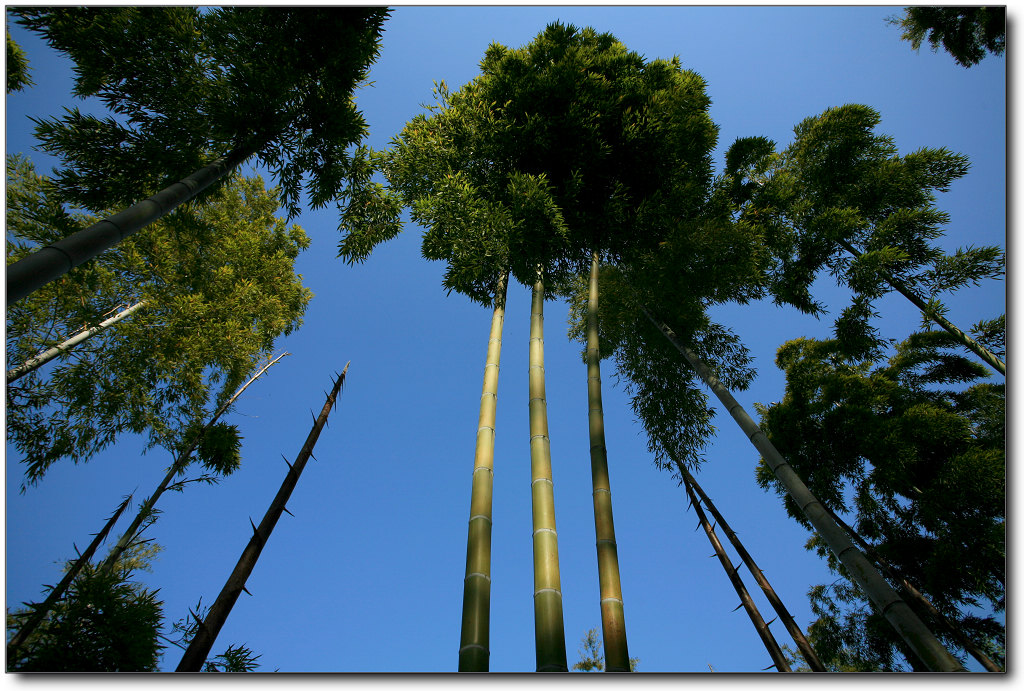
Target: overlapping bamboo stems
(780, 609)
(474, 647)
(613, 623)
(27, 275)
(549, 625)
(774, 651)
(909, 627)
(206, 633)
(61, 348)
(981, 351)
(919, 597)
(183, 459)
(41, 610)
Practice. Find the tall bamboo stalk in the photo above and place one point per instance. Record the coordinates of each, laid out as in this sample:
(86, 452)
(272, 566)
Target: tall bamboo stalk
(41, 610)
(474, 648)
(774, 651)
(549, 625)
(206, 633)
(981, 351)
(61, 348)
(183, 459)
(27, 275)
(613, 622)
(780, 609)
(917, 636)
(919, 597)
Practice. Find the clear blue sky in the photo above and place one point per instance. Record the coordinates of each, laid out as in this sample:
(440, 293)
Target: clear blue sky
(368, 575)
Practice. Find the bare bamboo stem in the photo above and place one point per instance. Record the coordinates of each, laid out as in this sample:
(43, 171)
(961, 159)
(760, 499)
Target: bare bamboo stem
(41, 610)
(613, 623)
(474, 647)
(774, 651)
(780, 609)
(549, 625)
(200, 645)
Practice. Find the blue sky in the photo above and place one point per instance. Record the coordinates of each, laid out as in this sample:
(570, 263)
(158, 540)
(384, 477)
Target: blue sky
(367, 577)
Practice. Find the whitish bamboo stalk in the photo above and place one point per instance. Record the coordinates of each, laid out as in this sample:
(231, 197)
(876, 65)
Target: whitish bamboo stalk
(27, 275)
(474, 648)
(981, 351)
(780, 609)
(889, 604)
(61, 348)
(178, 466)
(42, 609)
(770, 644)
(919, 597)
(200, 645)
(549, 625)
(613, 619)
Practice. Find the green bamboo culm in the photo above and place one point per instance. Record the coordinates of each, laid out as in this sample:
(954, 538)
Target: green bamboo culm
(909, 627)
(549, 626)
(613, 621)
(474, 648)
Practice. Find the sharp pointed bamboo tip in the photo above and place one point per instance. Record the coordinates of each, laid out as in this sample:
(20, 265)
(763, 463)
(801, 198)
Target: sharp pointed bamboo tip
(254, 531)
(246, 591)
(768, 667)
(285, 509)
(771, 622)
(287, 461)
(737, 607)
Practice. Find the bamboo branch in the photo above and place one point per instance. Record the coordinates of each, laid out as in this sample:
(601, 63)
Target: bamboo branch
(981, 351)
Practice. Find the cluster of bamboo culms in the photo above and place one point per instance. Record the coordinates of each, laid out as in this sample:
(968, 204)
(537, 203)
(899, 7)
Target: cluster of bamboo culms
(549, 629)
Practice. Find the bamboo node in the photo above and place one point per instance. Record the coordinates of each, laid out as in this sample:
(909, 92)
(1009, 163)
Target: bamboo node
(611, 599)
(483, 467)
(476, 574)
(473, 646)
(602, 489)
(479, 515)
(542, 479)
(540, 591)
(542, 436)
(545, 530)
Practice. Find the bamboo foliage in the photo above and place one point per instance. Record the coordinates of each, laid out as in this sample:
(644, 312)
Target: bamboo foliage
(474, 648)
(182, 460)
(780, 609)
(613, 622)
(910, 628)
(549, 626)
(206, 633)
(774, 651)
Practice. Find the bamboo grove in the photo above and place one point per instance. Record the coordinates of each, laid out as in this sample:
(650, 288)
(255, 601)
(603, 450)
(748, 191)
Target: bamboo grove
(577, 169)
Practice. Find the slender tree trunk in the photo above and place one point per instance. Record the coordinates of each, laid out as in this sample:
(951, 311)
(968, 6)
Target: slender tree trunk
(774, 651)
(44, 357)
(780, 609)
(549, 625)
(474, 649)
(183, 459)
(41, 610)
(613, 623)
(975, 347)
(895, 610)
(27, 275)
(199, 648)
(919, 597)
